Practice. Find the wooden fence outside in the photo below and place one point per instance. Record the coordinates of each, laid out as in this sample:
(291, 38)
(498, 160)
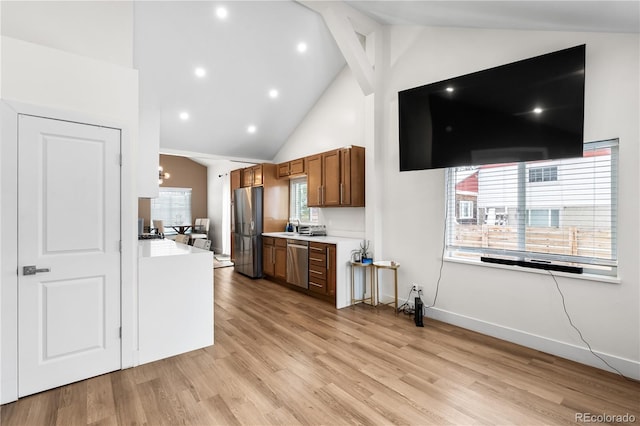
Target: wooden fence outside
(567, 241)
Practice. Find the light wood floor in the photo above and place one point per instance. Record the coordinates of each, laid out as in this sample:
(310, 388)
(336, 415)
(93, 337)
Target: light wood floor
(284, 358)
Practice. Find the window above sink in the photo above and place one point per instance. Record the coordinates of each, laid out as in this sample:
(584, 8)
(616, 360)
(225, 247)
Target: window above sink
(298, 208)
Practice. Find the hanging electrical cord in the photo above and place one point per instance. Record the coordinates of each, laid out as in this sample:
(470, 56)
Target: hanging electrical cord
(405, 305)
(444, 247)
(564, 307)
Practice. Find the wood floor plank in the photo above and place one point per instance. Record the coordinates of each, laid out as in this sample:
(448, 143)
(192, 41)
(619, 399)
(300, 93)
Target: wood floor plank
(129, 409)
(100, 402)
(282, 358)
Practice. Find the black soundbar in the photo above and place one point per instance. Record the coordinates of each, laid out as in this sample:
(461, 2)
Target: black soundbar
(537, 264)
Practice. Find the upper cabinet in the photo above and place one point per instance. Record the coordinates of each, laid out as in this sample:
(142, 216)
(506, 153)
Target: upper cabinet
(291, 168)
(235, 178)
(275, 198)
(252, 176)
(336, 178)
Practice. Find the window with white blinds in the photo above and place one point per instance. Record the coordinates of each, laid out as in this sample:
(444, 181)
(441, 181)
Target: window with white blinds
(172, 206)
(558, 211)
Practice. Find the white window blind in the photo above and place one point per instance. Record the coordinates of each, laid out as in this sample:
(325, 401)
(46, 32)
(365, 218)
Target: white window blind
(560, 210)
(172, 206)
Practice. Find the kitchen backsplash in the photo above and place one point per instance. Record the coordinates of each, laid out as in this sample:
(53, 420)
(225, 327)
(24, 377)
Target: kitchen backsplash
(344, 222)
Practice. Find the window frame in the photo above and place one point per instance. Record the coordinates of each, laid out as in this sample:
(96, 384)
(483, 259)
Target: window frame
(601, 266)
(187, 213)
(295, 209)
(543, 174)
(467, 208)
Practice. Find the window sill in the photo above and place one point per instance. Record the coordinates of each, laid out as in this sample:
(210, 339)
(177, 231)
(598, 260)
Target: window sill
(588, 277)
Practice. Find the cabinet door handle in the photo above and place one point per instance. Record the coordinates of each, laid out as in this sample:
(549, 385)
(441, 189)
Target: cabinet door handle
(328, 259)
(340, 193)
(319, 192)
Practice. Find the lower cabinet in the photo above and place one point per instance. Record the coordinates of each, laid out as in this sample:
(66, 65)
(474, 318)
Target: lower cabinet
(322, 268)
(274, 257)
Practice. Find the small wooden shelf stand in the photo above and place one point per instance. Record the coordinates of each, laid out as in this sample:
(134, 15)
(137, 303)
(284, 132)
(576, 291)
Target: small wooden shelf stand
(365, 267)
(387, 264)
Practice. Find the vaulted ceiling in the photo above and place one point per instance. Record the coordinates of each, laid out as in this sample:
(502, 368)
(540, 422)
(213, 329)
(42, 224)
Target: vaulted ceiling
(256, 82)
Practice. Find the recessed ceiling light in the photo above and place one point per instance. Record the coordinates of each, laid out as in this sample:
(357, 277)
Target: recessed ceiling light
(537, 110)
(302, 47)
(449, 89)
(273, 93)
(251, 128)
(184, 115)
(221, 12)
(200, 72)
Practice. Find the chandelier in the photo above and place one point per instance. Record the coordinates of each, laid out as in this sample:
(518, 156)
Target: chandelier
(162, 175)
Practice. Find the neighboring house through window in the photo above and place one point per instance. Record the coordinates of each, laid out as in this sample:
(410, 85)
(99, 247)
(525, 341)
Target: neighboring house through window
(466, 209)
(556, 210)
(543, 174)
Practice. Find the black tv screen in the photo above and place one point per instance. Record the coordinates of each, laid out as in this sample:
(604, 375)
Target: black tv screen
(527, 110)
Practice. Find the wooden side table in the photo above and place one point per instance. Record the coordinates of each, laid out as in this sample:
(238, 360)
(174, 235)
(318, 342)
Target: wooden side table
(388, 264)
(365, 267)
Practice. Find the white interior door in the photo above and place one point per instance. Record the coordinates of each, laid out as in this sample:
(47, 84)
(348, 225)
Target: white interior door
(69, 232)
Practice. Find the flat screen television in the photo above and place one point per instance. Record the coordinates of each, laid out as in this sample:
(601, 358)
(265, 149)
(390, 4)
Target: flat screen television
(523, 111)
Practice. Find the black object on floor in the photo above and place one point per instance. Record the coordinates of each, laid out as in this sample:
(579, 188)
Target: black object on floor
(418, 312)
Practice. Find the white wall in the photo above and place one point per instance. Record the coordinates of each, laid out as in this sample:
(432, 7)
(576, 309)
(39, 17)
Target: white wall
(218, 204)
(95, 29)
(518, 306)
(89, 85)
(337, 120)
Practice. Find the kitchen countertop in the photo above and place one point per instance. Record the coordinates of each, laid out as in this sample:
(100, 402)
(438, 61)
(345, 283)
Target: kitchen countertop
(329, 239)
(165, 247)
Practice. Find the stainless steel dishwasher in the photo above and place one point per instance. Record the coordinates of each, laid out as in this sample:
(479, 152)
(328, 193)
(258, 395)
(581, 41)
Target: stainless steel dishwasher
(298, 263)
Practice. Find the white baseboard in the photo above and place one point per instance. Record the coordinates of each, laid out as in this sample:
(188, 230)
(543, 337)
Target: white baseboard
(629, 368)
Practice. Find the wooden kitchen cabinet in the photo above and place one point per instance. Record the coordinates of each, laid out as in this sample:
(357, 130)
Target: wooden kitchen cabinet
(291, 168)
(314, 180)
(268, 263)
(275, 204)
(322, 271)
(252, 176)
(235, 176)
(235, 181)
(274, 257)
(336, 178)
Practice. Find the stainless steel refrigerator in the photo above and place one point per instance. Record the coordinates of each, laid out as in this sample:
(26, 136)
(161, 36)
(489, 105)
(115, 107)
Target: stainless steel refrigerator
(247, 234)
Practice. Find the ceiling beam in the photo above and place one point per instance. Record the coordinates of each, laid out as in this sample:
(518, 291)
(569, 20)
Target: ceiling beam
(345, 24)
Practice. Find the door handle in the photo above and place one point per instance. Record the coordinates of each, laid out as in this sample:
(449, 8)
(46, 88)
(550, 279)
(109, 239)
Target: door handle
(32, 270)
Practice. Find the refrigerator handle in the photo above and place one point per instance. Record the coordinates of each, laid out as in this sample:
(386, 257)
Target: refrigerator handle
(252, 225)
